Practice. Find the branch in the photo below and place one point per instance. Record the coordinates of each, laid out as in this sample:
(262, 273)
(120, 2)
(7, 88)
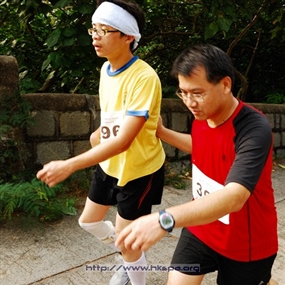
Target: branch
(253, 54)
(4, 18)
(242, 34)
(191, 3)
(195, 19)
(48, 82)
(244, 85)
(77, 86)
(33, 35)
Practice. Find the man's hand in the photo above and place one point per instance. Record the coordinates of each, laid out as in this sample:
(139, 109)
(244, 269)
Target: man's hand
(54, 172)
(141, 233)
(160, 127)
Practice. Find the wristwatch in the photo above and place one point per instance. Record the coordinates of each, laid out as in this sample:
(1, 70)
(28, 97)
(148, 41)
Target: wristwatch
(166, 221)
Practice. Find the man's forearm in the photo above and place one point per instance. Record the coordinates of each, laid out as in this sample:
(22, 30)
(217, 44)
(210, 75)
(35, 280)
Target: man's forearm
(176, 139)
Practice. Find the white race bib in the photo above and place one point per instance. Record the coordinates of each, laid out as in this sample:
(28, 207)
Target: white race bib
(203, 185)
(110, 124)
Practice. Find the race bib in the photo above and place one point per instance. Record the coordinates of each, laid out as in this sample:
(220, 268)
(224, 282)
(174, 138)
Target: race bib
(110, 124)
(202, 185)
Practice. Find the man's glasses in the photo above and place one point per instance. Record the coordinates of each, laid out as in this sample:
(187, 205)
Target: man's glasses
(101, 32)
(198, 97)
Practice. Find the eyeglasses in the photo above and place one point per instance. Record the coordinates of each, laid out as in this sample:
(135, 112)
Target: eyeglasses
(198, 97)
(100, 32)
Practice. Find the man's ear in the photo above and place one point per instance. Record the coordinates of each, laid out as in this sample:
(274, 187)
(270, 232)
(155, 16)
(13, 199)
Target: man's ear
(227, 84)
(130, 38)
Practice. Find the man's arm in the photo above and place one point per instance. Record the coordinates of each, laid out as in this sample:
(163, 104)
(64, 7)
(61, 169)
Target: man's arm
(146, 231)
(95, 137)
(176, 139)
(57, 171)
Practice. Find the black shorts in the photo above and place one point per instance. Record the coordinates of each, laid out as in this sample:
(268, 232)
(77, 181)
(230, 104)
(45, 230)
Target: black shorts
(191, 251)
(133, 200)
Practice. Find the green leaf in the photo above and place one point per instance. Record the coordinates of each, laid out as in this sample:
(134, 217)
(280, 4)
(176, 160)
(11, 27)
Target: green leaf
(9, 209)
(230, 11)
(77, 73)
(84, 40)
(86, 9)
(211, 30)
(53, 38)
(68, 42)
(224, 24)
(62, 3)
(42, 195)
(54, 59)
(68, 32)
(53, 55)
(60, 61)
(45, 64)
(277, 32)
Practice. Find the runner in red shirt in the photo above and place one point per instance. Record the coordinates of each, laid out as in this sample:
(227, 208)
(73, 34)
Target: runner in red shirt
(230, 226)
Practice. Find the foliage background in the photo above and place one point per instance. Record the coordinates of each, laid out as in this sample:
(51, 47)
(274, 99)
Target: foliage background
(55, 54)
(50, 42)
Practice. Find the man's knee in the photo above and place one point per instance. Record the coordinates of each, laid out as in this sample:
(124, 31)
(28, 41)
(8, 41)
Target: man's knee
(103, 230)
(176, 277)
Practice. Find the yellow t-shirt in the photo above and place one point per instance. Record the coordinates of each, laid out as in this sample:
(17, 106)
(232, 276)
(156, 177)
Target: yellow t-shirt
(134, 91)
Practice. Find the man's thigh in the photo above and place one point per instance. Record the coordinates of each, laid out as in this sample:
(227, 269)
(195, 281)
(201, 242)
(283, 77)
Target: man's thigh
(176, 277)
(136, 198)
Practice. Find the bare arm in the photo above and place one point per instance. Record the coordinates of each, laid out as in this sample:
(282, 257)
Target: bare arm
(211, 207)
(146, 231)
(95, 137)
(57, 171)
(176, 139)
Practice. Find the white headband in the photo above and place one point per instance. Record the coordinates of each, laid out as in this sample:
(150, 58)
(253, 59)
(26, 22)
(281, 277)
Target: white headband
(113, 15)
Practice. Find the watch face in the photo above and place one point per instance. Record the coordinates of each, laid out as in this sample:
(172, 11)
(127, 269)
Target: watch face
(166, 221)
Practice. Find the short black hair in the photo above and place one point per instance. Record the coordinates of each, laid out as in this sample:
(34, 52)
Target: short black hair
(216, 62)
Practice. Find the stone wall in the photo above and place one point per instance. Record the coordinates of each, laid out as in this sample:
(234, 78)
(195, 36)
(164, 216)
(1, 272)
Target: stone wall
(9, 75)
(63, 124)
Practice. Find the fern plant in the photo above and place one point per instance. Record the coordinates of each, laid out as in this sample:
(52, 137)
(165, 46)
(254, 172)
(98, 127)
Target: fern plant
(36, 200)
(17, 194)
(276, 98)
(14, 116)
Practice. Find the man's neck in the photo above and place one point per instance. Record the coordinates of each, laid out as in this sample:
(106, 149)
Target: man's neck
(119, 61)
(228, 109)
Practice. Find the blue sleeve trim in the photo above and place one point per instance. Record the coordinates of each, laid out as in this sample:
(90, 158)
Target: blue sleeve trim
(138, 114)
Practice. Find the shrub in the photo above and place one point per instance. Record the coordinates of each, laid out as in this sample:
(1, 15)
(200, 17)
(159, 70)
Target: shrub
(36, 200)
(14, 116)
(275, 98)
(19, 191)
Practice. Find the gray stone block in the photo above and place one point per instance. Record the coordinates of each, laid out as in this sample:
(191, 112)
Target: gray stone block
(48, 151)
(44, 124)
(80, 147)
(74, 123)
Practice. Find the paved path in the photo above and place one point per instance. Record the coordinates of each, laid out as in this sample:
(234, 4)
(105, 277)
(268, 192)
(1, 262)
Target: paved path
(63, 253)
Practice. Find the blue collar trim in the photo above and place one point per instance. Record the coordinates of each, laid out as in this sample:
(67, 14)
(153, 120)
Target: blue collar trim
(124, 67)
